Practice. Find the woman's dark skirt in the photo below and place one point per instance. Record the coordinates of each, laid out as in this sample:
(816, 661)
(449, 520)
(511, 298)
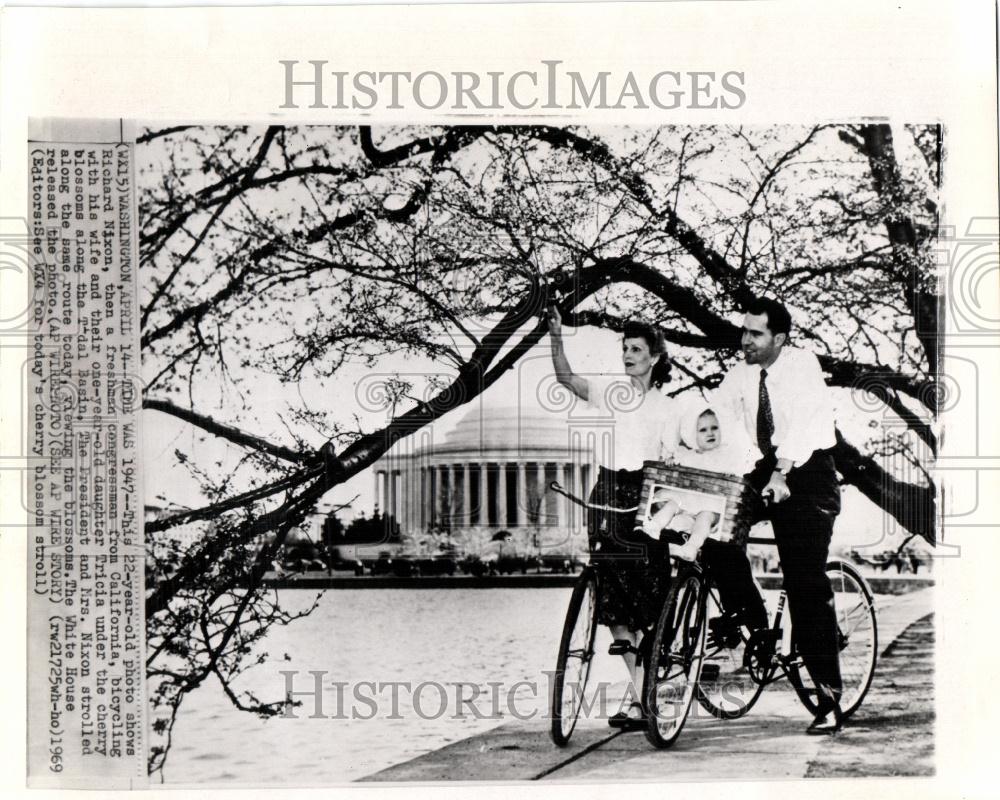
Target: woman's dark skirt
(633, 569)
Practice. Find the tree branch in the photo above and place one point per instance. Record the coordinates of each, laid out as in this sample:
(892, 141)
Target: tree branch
(926, 304)
(151, 135)
(913, 507)
(228, 432)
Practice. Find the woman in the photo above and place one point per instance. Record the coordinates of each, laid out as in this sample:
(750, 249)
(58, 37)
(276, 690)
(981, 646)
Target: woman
(633, 572)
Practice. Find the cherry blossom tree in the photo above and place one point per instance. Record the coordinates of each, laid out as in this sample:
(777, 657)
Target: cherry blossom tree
(290, 254)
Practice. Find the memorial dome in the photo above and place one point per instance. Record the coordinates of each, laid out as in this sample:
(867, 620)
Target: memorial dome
(493, 469)
(499, 428)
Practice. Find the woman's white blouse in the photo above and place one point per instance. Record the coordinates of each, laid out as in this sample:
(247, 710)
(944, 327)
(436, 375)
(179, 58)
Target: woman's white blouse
(632, 426)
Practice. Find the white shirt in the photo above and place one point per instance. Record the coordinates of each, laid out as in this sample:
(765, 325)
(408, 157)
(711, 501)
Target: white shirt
(638, 422)
(800, 403)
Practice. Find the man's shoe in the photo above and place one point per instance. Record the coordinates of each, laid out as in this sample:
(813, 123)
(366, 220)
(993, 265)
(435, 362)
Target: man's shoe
(825, 724)
(828, 720)
(724, 632)
(754, 617)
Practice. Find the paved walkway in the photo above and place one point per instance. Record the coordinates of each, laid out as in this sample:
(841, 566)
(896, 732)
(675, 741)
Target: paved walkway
(892, 733)
(895, 734)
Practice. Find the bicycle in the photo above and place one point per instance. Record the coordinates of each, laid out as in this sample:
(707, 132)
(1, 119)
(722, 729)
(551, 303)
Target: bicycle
(576, 651)
(740, 663)
(744, 663)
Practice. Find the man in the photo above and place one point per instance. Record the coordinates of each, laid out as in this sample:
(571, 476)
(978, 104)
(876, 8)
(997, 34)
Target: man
(780, 392)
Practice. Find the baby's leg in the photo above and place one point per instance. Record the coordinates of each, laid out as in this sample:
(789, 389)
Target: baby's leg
(661, 518)
(660, 498)
(704, 521)
(682, 522)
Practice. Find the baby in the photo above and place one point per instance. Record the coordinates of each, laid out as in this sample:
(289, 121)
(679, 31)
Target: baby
(700, 445)
(671, 512)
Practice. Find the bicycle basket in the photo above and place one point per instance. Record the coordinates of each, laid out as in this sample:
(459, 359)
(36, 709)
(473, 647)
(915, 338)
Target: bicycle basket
(730, 495)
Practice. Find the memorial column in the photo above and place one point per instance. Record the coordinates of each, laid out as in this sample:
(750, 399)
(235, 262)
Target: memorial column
(522, 494)
(502, 495)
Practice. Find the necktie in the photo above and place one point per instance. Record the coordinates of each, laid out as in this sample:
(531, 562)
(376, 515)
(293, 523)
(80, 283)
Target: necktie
(765, 418)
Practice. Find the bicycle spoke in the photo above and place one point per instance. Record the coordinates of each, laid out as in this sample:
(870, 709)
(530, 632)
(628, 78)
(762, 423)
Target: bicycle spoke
(575, 655)
(851, 629)
(860, 612)
(857, 630)
(726, 688)
(675, 662)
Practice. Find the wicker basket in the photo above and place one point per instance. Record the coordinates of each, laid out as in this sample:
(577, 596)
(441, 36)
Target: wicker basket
(739, 497)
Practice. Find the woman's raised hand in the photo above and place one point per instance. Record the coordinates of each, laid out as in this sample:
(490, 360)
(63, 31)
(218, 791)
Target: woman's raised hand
(554, 319)
(563, 373)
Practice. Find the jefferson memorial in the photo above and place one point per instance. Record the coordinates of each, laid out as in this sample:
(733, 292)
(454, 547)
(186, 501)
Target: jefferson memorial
(491, 473)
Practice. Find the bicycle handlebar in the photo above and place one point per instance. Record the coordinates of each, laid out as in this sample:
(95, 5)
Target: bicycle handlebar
(555, 486)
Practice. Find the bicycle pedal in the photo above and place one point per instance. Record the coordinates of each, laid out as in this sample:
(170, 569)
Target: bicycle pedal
(760, 651)
(710, 672)
(724, 632)
(767, 635)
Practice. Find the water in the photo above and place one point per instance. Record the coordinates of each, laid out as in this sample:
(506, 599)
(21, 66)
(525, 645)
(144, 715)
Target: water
(505, 637)
(445, 636)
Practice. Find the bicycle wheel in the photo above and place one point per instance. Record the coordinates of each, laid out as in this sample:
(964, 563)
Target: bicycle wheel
(726, 688)
(675, 661)
(576, 650)
(857, 630)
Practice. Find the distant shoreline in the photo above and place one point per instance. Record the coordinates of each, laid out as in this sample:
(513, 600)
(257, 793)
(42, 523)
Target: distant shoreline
(881, 584)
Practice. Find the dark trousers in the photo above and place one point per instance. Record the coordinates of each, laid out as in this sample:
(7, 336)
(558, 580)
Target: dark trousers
(729, 568)
(803, 527)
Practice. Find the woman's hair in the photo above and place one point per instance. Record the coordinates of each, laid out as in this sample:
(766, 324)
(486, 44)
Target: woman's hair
(636, 329)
